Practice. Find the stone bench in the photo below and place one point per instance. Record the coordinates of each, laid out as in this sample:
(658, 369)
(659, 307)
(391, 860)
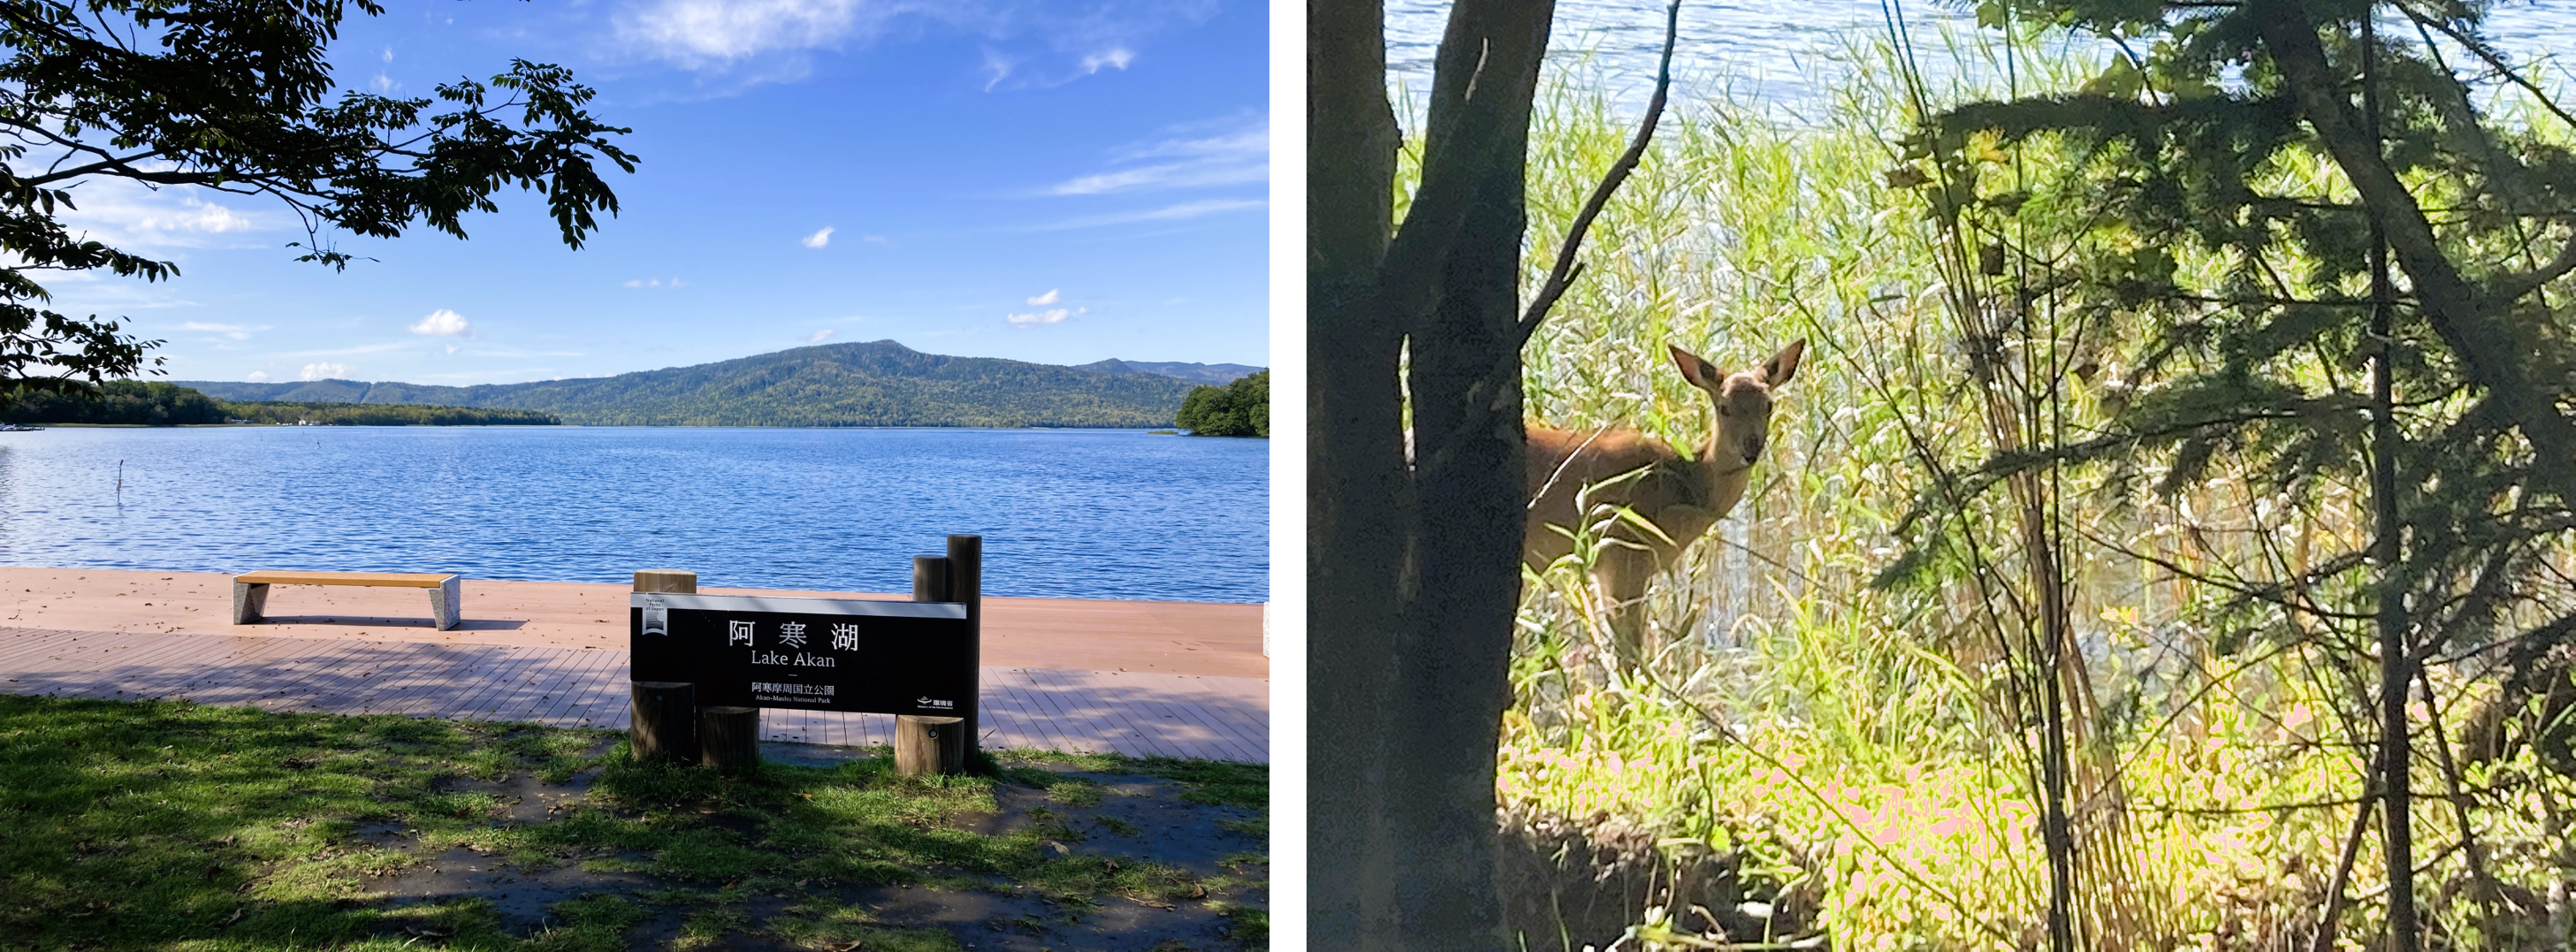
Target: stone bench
(250, 590)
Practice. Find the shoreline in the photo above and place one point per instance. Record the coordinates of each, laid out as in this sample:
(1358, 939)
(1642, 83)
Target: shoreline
(1220, 639)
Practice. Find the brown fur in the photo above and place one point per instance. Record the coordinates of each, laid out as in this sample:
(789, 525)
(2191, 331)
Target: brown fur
(1681, 495)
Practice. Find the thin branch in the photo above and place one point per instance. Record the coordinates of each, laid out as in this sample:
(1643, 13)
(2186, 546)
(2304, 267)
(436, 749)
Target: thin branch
(1562, 275)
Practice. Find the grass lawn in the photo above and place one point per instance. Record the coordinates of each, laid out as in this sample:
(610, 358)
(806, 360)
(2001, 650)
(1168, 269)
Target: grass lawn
(170, 825)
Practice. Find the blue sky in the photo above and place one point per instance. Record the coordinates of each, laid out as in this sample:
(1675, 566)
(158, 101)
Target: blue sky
(1050, 182)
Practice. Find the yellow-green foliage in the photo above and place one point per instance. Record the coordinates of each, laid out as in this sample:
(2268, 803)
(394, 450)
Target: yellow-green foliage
(1847, 739)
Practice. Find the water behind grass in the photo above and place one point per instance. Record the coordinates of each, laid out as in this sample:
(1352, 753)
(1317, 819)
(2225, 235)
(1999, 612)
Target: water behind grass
(1064, 513)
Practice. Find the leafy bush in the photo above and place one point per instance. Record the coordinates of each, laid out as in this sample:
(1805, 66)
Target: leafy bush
(1241, 408)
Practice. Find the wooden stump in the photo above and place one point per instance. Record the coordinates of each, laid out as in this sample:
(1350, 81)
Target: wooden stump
(666, 721)
(729, 738)
(929, 745)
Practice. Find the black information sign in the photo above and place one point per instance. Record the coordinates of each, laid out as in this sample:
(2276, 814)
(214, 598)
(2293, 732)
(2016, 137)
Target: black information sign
(822, 654)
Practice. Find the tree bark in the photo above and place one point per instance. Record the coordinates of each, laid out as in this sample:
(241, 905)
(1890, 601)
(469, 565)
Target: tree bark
(1413, 567)
(1465, 380)
(1356, 484)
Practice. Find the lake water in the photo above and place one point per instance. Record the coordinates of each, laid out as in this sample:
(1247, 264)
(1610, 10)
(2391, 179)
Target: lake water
(1064, 513)
(1787, 52)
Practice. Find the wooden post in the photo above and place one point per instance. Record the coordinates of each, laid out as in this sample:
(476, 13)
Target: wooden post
(966, 584)
(729, 738)
(665, 723)
(667, 581)
(929, 745)
(930, 578)
(919, 741)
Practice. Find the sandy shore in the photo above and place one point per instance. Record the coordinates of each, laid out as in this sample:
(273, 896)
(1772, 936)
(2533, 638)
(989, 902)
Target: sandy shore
(1060, 633)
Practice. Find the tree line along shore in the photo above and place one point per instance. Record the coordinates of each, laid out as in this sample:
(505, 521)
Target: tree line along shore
(1238, 409)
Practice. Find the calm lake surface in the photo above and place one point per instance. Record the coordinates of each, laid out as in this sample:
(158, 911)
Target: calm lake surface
(1064, 513)
(1786, 53)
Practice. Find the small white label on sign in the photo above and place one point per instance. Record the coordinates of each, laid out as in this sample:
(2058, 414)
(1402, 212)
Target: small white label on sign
(657, 618)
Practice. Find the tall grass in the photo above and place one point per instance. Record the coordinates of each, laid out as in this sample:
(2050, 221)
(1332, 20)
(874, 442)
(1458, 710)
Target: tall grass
(1849, 740)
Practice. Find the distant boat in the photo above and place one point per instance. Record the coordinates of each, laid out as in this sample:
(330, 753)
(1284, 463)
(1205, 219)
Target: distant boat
(15, 428)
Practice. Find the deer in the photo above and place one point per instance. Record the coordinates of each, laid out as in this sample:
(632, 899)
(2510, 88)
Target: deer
(1580, 480)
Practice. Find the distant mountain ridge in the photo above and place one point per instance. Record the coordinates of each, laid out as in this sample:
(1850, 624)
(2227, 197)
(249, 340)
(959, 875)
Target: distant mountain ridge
(879, 383)
(1215, 374)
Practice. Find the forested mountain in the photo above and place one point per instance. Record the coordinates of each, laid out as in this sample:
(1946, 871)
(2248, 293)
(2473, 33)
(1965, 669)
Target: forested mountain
(1218, 374)
(882, 383)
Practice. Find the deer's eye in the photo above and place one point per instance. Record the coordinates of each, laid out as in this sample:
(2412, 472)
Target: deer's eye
(1721, 410)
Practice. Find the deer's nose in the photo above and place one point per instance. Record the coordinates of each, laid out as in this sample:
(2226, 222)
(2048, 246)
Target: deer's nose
(1753, 449)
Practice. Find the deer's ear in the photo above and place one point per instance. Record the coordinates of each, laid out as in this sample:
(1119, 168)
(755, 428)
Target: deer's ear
(1784, 364)
(1700, 373)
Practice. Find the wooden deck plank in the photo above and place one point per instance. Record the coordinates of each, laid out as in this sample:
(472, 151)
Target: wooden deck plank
(1190, 704)
(205, 655)
(385, 675)
(325, 678)
(483, 700)
(431, 685)
(607, 693)
(148, 665)
(488, 682)
(467, 669)
(231, 676)
(1096, 706)
(535, 690)
(50, 653)
(1069, 715)
(573, 702)
(503, 664)
(579, 668)
(1139, 714)
(1173, 723)
(1040, 713)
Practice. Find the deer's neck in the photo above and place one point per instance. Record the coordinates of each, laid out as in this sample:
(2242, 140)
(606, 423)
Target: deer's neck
(1722, 476)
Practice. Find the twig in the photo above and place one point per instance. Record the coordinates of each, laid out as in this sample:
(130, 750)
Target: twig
(1562, 275)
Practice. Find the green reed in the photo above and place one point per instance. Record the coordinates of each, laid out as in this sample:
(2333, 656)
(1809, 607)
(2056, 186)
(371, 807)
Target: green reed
(1846, 739)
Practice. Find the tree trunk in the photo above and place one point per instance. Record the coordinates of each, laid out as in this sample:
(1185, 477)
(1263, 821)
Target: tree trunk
(1469, 484)
(1414, 571)
(1356, 485)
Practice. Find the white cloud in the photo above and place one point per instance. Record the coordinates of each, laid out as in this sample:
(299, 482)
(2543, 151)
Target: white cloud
(124, 212)
(258, 376)
(1049, 316)
(234, 331)
(443, 323)
(656, 283)
(698, 34)
(1230, 151)
(820, 336)
(1184, 210)
(997, 68)
(345, 351)
(451, 348)
(1116, 56)
(324, 372)
(878, 240)
(820, 238)
(1048, 298)
(1027, 45)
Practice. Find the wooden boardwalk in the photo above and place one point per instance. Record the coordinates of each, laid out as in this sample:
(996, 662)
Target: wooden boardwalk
(1134, 713)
